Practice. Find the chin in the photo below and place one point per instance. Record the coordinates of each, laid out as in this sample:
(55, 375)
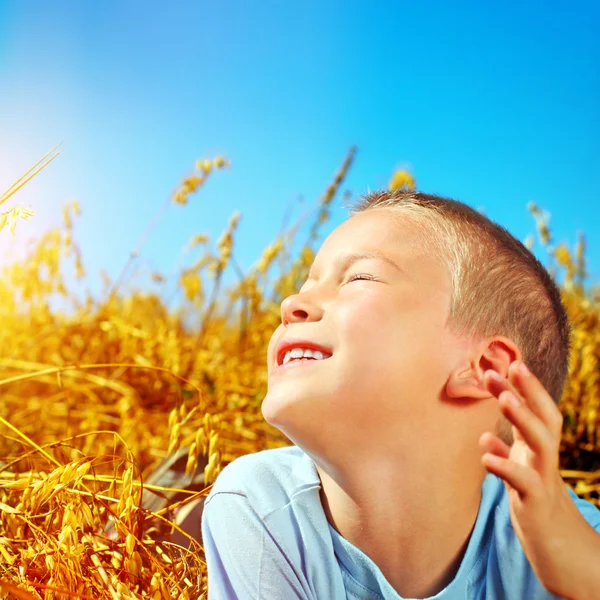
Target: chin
(269, 412)
(293, 415)
(277, 410)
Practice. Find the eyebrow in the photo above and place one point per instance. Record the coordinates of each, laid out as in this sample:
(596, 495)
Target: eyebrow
(349, 259)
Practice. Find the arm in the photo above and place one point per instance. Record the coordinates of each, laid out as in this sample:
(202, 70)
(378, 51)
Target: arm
(244, 560)
(561, 546)
(581, 564)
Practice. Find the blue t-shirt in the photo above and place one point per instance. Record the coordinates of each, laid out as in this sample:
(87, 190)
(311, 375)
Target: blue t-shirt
(266, 537)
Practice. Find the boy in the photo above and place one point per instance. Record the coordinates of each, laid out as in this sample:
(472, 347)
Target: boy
(425, 462)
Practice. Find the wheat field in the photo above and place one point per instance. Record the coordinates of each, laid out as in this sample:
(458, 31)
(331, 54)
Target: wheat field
(117, 415)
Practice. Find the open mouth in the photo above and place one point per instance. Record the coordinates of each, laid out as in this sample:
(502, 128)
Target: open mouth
(288, 354)
(297, 362)
(298, 354)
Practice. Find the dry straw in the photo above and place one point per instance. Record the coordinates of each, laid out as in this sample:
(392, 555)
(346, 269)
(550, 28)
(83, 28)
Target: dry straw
(117, 415)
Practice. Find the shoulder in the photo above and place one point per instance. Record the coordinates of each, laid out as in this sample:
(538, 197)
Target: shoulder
(502, 512)
(265, 533)
(507, 569)
(269, 479)
(589, 511)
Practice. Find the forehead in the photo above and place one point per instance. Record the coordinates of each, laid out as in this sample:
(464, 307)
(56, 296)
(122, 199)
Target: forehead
(392, 233)
(382, 230)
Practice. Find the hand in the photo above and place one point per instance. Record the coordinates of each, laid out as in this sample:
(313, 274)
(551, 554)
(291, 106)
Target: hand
(550, 527)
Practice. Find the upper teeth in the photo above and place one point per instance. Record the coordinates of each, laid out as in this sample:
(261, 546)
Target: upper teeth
(302, 353)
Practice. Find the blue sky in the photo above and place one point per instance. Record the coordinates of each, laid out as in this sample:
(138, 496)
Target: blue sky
(493, 105)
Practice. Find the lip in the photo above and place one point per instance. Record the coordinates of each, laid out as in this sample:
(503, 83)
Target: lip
(288, 343)
(295, 364)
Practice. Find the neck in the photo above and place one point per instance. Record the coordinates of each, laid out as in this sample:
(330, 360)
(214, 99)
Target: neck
(412, 520)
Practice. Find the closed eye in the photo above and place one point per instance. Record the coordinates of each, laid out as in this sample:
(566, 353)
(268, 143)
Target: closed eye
(361, 276)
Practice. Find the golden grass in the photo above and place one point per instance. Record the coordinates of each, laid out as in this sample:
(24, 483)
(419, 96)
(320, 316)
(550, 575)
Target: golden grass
(9, 217)
(118, 414)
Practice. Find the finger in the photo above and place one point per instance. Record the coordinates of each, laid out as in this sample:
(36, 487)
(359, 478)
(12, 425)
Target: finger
(496, 384)
(534, 433)
(492, 444)
(523, 479)
(536, 396)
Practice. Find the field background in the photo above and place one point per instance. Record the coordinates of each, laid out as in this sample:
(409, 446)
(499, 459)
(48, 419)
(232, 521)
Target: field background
(205, 154)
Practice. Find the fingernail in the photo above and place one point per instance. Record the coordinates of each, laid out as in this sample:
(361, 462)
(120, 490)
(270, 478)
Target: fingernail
(524, 370)
(494, 375)
(512, 399)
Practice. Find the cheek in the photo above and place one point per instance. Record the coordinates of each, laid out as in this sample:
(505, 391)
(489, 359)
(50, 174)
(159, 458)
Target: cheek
(372, 324)
(391, 339)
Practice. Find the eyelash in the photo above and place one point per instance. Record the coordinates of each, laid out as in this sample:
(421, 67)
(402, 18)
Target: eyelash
(361, 276)
(356, 277)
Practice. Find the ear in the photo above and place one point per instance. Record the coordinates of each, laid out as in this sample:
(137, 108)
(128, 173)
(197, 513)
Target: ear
(495, 352)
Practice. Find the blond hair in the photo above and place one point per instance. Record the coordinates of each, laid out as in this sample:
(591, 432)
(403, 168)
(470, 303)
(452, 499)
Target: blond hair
(498, 286)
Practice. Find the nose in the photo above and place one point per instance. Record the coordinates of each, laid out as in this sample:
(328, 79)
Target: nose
(298, 308)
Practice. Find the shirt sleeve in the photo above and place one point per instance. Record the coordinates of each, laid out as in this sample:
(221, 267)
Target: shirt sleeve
(243, 559)
(589, 512)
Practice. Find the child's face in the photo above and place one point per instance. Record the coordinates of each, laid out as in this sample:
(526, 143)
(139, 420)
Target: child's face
(384, 327)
